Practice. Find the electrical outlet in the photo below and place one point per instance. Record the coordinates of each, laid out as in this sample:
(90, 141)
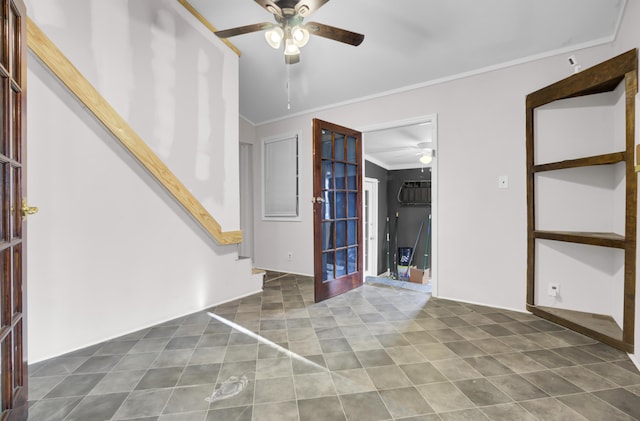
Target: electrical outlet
(553, 290)
(290, 256)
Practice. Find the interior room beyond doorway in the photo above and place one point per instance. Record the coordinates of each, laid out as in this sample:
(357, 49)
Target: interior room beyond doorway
(401, 157)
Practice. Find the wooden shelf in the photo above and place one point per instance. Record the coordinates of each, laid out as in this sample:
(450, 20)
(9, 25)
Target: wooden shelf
(604, 77)
(602, 239)
(597, 326)
(607, 159)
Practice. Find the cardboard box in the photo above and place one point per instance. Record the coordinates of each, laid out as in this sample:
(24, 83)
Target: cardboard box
(419, 276)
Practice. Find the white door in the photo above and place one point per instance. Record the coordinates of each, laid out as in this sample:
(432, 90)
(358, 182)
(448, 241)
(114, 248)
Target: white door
(370, 226)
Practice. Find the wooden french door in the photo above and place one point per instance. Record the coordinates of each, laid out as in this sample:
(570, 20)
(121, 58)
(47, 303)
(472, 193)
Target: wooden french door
(337, 192)
(13, 65)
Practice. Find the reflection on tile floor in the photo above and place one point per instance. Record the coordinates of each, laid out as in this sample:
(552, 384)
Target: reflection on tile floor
(375, 353)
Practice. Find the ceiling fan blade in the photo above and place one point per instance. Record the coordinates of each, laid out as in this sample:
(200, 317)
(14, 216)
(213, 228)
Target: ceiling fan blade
(292, 58)
(336, 34)
(306, 7)
(240, 30)
(271, 7)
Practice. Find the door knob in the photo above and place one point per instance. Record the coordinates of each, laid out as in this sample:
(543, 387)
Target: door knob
(27, 210)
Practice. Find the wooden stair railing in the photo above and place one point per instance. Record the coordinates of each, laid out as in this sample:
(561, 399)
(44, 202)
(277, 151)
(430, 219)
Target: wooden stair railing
(207, 24)
(77, 84)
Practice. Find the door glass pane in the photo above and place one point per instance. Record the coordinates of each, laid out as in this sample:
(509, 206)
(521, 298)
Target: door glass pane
(327, 236)
(352, 177)
(16, 193)
(5, 265)
(353, 205)
(339, 151)
(351, 149)
(11, 199)
(327, 205)
(8, 143)
(352, 232)
(17, 279)
(17, 356)
(341, 233)
(12, 39)
(341, 205)
(3, 22)
(15, 28)
(15, 127)
(340, 185)
(341, 263)
(2, 356)
(327, 266)
(327, 174)
(4, 90)
(3, 206)
(326, 145)
(353, 260)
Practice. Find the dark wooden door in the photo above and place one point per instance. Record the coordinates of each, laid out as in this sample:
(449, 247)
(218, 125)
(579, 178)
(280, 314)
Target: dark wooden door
(337, 191)
(13, 365)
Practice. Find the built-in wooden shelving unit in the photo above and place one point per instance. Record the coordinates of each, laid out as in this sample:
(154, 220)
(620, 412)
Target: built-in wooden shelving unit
(605, 77)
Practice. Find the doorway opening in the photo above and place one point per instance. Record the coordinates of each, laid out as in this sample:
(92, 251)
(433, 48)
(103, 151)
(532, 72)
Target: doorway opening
(401, 157)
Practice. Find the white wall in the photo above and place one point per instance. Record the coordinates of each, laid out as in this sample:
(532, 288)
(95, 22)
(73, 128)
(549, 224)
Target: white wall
(110, 252)
(247, 132)
(481, 133)
(168, 76)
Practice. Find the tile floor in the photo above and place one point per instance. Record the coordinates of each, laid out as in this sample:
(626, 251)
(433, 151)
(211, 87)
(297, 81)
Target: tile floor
(375, 353)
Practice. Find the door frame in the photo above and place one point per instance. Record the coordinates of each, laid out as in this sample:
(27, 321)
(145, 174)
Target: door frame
(372, 251)
(435, 203)
(246, 183)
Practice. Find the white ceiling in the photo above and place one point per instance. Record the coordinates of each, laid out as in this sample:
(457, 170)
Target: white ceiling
(396, 148)
(407, 43)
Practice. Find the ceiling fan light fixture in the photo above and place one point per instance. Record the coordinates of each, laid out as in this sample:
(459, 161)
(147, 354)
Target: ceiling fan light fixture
(300, 36)
(426, 156)
(274, 37)
(290, 47)
(426, 159)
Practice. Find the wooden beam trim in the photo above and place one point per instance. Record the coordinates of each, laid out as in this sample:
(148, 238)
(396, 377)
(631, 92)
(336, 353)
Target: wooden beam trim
(208, 24)
(53, 58)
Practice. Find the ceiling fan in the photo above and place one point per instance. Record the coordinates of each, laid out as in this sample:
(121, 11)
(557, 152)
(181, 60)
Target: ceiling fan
(289, 15)
(424, 151)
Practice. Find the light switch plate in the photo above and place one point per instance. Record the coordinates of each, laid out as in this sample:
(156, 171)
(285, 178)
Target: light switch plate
(503, 182)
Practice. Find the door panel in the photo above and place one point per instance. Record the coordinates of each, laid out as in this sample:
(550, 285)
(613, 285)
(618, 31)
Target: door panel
(13, 380)
(337, 191)
(370, 226)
